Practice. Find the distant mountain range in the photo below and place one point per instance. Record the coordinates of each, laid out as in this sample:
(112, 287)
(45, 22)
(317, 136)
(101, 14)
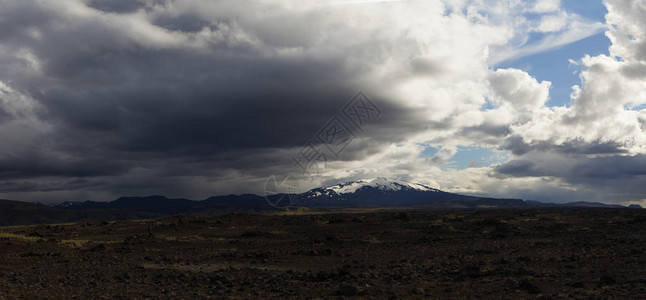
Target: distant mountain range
(381, 192)
(373, 193)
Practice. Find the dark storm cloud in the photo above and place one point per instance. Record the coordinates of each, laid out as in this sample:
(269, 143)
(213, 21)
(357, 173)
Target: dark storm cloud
(517, 145)
(186, 23)
(47, 184)
(182, 102)
(488, 133)
(170, 110)
(614, 167)
(117, 105)
(118, 6)
(623, 175)
(33, 164)
(603, 167)
(520, 168)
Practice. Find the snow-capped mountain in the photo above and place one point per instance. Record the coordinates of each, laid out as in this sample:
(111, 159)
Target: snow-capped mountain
(379, 183)
(377, 192)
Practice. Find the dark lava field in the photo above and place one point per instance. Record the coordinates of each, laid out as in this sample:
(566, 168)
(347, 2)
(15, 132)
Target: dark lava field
(484, 254)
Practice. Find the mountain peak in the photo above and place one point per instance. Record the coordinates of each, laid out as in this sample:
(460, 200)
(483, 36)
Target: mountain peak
(380, 183)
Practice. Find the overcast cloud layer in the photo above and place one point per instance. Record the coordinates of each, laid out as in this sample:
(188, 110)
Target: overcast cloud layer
(193, 98)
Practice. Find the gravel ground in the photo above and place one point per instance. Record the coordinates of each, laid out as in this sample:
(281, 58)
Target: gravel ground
(551, 254)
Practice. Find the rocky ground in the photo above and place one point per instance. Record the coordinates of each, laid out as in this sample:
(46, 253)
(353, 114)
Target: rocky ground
(580, 253)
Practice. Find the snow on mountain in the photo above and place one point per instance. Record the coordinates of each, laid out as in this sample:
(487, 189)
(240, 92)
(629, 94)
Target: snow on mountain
(379, 183)
(373, 192)
(68, 204)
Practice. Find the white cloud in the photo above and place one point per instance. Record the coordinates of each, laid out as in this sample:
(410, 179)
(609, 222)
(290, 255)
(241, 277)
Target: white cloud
(600, 121)
(554, 38)
(545, 6)
(20, 127)
(627, 30)
(552, 23)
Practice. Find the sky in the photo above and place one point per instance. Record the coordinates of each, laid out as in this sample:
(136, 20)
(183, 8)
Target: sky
(541, 100)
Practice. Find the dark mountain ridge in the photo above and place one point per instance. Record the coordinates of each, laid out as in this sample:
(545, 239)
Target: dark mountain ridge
(375, 193)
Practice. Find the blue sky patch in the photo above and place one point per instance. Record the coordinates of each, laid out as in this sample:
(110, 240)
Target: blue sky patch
(469, 157)
(553, 65)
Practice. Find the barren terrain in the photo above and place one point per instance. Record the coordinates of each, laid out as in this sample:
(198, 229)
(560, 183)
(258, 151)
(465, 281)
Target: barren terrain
(548, 253)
